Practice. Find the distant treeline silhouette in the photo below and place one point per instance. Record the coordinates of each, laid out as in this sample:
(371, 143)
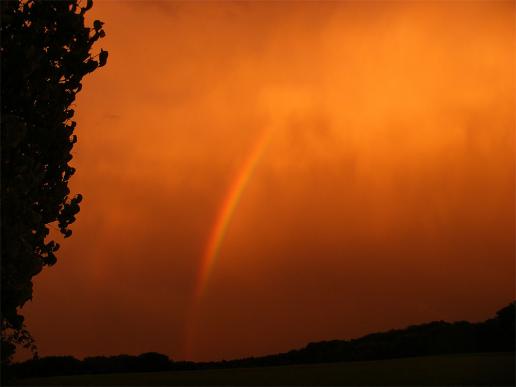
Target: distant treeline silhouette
(435, 338)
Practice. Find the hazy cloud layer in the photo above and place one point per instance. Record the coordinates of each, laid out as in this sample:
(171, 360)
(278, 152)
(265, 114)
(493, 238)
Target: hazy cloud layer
(385, 197)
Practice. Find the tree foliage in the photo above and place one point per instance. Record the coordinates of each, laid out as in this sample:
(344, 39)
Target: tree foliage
(45, 50)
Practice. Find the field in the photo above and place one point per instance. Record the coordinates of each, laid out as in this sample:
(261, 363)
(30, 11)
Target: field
(471, 369)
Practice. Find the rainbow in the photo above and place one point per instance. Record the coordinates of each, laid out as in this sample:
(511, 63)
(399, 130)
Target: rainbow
(226, 212)
(220, 227)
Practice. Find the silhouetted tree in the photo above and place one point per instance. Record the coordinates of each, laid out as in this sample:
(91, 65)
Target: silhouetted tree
(152, 361)
(434, 338)
(45, 50)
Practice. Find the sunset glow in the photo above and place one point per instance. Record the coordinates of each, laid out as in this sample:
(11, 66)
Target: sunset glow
(260, 175)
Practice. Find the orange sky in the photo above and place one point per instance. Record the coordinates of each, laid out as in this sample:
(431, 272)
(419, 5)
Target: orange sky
(383, 193)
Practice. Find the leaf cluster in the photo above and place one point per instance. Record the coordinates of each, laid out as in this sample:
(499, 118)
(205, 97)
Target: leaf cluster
(45, 50)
